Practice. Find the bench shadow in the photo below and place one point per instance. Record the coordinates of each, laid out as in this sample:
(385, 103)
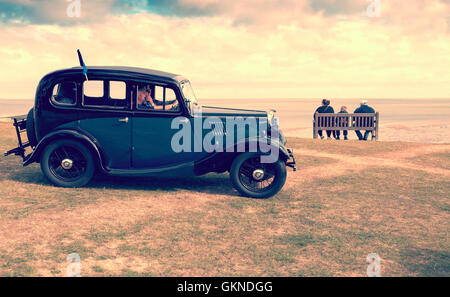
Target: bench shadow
(208, 184)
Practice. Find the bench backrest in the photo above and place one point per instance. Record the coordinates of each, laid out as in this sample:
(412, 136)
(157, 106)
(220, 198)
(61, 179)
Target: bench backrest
(346, 121)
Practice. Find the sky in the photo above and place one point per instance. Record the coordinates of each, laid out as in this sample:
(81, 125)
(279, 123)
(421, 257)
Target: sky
(238, 49)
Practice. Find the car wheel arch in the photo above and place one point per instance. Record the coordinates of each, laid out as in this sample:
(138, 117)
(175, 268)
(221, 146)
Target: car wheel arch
(66, 134)
(222, 161)
(275, 145)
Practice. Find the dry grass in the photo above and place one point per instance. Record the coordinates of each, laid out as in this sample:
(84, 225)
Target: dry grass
(440, 160)
(347, 200)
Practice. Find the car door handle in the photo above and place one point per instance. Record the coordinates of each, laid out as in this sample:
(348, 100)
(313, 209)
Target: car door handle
(124, 120)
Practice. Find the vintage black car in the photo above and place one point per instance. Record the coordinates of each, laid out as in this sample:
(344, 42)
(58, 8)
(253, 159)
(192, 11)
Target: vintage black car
(123, 121)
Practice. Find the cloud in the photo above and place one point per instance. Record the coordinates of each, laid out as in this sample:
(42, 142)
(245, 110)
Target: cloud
(409, 15)
(162, 7)
(279, 49)
(55, 11)
(25, 12)
(348, 59)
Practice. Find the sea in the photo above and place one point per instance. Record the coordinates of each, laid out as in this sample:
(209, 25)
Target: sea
(411, 120)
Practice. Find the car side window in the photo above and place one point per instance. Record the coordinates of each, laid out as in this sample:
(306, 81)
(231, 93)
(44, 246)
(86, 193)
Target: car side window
(106, 94)
(93, 89)
(117, 90)
(170, 100)
(65, 93)
(157, 98)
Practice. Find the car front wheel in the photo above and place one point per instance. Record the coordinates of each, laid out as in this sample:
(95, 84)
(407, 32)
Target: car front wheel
(255, 179)
(67, 163)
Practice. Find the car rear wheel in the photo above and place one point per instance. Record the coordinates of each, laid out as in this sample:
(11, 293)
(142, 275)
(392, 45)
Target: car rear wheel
(255, 179)
(67, 163)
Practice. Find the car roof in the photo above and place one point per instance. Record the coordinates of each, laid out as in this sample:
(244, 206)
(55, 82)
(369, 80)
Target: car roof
(125, 71)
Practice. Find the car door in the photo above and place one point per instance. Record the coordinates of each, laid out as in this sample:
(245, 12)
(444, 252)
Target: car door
(106, 105)
(157, 105)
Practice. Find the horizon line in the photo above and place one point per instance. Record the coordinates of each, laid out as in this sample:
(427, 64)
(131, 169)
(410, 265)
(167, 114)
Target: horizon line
(299, 98)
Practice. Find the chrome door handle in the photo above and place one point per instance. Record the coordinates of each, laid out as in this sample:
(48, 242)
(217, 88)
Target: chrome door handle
(124, 120)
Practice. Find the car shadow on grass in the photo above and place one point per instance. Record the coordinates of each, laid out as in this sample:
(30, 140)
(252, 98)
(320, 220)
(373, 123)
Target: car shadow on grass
(209, 184)
(427, 262)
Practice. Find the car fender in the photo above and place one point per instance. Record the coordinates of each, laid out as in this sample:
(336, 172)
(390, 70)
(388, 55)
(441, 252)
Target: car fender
(273, 143)
(90, 142)
(221, 161)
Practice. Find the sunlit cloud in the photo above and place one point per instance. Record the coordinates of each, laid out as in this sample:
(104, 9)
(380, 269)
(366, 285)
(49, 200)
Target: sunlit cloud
(248, 49)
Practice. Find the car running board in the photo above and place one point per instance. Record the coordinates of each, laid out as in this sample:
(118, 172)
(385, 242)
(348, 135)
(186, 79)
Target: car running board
(185, 168)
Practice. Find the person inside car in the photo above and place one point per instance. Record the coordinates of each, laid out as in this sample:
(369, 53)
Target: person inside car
(144, 99)
(172, 106)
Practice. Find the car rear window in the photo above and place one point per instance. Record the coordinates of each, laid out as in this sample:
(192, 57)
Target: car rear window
(64, 93)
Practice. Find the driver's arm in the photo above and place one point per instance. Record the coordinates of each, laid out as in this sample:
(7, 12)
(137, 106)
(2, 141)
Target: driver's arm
(171, 106)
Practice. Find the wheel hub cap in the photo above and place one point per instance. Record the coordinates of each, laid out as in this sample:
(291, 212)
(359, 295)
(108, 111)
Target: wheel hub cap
(258, 174)
(66, 164)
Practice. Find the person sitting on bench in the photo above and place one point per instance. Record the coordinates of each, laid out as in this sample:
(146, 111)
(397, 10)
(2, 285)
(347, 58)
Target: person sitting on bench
(363, 108)
(325, 108)
(343, 123)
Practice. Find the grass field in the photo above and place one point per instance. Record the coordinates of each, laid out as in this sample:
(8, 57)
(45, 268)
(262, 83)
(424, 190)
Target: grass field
(346, 200)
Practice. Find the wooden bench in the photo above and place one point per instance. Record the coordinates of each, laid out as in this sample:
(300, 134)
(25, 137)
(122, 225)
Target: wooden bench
(346, 121)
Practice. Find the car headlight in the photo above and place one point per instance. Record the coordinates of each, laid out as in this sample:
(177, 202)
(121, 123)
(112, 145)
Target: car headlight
(271, 117)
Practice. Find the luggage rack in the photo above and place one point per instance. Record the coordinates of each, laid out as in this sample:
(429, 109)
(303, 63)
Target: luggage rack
(20, 123)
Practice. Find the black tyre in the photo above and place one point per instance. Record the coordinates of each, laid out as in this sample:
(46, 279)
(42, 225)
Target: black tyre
(67, 163)
(255, 179)
(31, 133)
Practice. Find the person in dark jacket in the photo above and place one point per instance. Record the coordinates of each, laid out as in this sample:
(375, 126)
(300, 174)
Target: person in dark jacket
(325, 108)
(363, 108)
(342, 123)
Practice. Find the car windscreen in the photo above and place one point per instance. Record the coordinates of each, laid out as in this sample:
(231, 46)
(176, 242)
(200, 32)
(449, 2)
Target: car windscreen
(188, 92)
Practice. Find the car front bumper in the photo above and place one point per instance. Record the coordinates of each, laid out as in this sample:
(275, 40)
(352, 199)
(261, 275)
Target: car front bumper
(291, 161)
